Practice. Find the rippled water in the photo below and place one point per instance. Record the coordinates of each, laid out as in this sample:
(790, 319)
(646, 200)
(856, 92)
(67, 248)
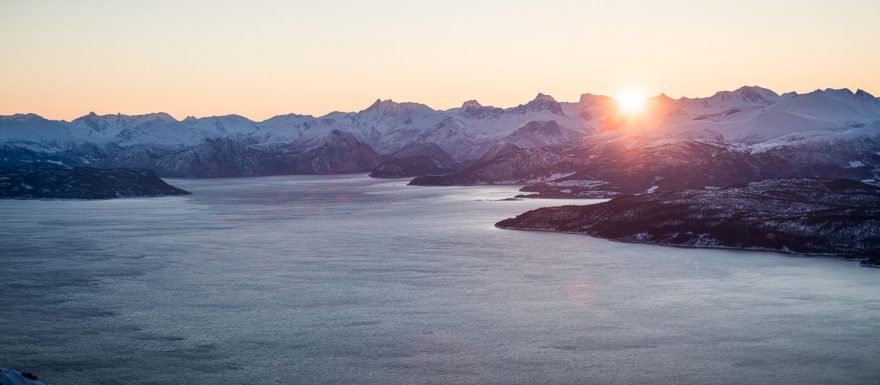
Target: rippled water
(352, 280)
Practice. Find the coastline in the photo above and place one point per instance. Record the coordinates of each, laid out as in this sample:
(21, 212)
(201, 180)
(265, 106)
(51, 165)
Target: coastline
(863, 261)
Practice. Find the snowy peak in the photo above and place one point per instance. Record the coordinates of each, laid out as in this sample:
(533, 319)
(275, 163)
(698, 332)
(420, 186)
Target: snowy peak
(34, 128)
(832, 104)
(226, 124)
(587, 99)
(660, 101)
(390, 113)
(596, 101)
(821, 116)
(749, 96)
(380, 104)
(287, 118)
(757, 94)
(864, 95)
(472, 109)
(118, 122)
(22, 118)
(539, 103)
(163, 116)
(543, 98)
(391, 106)
(594, 108)
(471, 104)
(662, 98)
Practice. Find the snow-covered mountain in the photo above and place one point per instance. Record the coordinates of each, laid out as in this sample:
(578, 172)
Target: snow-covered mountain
(234, 145)
(824, 127)
(731, 137)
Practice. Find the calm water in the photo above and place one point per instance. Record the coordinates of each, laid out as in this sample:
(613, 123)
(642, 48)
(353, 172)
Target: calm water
(351, 280)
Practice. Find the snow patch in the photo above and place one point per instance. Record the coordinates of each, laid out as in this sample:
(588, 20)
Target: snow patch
(856, 164)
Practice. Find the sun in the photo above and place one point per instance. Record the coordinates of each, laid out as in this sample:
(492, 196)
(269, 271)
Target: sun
(631, 102)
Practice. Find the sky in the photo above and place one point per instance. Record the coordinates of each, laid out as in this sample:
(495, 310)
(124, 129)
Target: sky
(260, 58)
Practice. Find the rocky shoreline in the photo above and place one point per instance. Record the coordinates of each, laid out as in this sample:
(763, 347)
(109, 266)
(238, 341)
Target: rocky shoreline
(799, 215)
(48, 181)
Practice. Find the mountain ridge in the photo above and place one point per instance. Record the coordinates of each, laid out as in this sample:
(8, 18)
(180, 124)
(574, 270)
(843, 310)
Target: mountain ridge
(582, 97)
(751, 116)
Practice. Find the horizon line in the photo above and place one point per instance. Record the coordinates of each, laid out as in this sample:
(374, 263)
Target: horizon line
(380, 100)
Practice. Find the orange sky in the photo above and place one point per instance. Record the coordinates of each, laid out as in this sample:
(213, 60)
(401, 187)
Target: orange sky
(62, 59)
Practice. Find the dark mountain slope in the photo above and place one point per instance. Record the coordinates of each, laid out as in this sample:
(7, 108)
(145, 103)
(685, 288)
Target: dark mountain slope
(58, 182)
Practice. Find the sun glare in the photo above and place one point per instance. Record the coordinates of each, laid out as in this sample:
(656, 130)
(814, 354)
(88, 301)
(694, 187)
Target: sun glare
(631, 102)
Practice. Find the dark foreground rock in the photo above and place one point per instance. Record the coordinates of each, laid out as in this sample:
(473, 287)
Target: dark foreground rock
(509, 164)
(630, 165)
(684, 164)
(799, 215)
(58, 182)
(9, 376)
(416, 160)
(411, 167)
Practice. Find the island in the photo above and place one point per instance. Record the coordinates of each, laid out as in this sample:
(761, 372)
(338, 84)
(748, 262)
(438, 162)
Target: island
(50, 181)
(814, 216)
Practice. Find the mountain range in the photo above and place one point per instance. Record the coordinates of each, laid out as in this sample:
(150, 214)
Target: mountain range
(584, 148)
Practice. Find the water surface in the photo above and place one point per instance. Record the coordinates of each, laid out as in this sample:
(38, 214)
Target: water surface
(321, 280)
